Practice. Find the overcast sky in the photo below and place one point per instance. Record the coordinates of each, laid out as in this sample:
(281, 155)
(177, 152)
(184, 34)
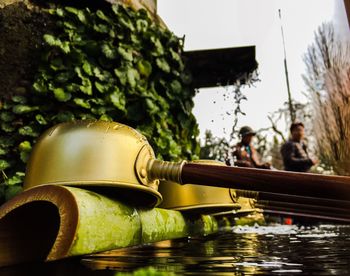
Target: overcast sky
(233, 23)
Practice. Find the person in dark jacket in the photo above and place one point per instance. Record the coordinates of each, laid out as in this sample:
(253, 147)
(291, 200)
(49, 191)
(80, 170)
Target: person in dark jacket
(244, 154)
(294, 151)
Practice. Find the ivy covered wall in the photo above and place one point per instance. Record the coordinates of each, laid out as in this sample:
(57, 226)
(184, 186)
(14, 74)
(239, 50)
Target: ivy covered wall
(108, 63)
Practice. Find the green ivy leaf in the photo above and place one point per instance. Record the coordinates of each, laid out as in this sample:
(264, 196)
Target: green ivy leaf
(115, 9)
(60, 12)
(151, 106)
(126, 22)
(175, 56)
(100, 87)
(87, 68)
(51, 40)
(158, 47)
(86, 86)
(106, 118)
(4, 164)
(28, 131)
(54, 41)
(70, 25)
(22, 109)
(82, 17)
(102, 75)
(19, 99)
(103, 17)
(108, 51)
(144, 67)
(18, 178)
(112, 33)
(141, 25)
(101, 28)
(101, 102)
(125, 53)
(80, 14)
(121, 76)
(83, 103)
(118, 99)
(162, 64)
(64, 46)
(40, 119)
(61, 95)
(25, 146)
(40, 86)
(132, 76)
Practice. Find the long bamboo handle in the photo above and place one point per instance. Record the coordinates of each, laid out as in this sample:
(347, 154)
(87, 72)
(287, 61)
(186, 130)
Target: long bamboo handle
(343, 212)
(293, 213)
(283, 182)
(344, 204)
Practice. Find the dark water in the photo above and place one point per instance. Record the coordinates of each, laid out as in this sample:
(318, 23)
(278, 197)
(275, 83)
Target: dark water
(270, 250)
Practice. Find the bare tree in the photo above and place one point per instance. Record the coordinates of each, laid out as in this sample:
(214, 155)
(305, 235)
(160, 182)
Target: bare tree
(327, 78)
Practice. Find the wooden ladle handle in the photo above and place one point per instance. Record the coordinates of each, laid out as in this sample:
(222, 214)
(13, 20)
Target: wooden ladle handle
(272, 181)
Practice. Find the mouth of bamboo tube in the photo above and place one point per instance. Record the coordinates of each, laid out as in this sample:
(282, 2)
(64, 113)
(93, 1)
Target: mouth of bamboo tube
(26, 237)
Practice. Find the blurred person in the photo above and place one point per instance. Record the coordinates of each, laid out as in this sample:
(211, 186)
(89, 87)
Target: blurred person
(294, 152)
(244, 154)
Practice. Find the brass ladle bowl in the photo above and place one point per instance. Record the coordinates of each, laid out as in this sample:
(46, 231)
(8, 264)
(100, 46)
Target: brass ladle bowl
(94, 154)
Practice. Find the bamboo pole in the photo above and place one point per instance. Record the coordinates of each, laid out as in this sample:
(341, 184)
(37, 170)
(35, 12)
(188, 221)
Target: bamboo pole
(52, 222)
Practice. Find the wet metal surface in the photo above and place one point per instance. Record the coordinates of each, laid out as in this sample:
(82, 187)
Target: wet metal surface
(270, 250)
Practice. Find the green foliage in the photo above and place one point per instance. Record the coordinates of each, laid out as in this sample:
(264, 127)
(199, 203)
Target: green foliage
(113, 64)
(214, 148)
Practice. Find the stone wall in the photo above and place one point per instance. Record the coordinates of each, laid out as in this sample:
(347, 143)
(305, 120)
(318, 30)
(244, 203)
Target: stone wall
(22, 25)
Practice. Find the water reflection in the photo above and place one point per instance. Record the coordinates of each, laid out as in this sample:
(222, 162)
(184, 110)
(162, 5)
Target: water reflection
(271, 250)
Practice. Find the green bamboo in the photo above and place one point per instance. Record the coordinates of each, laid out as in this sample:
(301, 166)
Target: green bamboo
(52, 222)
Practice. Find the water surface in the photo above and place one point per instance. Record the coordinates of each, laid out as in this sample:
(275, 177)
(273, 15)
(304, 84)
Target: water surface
(260, 250)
